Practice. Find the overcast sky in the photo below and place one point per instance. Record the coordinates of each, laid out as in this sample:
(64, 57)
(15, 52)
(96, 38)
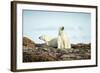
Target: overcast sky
(77, 25)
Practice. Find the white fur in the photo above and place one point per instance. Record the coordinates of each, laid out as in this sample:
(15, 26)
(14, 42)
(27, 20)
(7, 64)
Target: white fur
(61, 41)
(49, 41)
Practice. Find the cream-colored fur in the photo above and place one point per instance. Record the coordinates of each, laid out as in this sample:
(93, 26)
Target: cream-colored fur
(49, 41)
(61, 42)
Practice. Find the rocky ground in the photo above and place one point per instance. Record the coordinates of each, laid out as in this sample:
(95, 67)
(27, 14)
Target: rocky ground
(40, 52)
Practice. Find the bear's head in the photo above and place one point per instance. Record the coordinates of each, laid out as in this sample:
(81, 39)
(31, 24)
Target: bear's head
(62, 28)
(44, 38)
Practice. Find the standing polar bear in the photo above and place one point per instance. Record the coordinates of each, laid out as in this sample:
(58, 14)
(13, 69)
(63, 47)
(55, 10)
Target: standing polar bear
(61, 41)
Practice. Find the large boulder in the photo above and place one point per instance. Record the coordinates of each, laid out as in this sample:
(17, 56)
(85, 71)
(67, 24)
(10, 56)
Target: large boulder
(28, 43)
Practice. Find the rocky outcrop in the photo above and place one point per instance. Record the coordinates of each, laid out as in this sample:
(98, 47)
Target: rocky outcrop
(33, 52)
(40, 54)
(28, 43)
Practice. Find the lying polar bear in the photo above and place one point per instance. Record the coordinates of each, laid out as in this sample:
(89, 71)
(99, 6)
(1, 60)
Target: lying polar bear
(61, 41)
(52, 42)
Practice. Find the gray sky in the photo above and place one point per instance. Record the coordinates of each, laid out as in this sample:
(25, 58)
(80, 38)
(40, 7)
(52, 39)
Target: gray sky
(77, 25)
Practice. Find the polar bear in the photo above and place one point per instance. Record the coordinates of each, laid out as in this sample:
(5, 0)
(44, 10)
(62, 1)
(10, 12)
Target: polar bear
(52, 42)
(61, 41)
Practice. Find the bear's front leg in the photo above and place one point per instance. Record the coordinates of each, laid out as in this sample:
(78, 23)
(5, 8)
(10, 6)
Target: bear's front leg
(59, 43)
(46, 43)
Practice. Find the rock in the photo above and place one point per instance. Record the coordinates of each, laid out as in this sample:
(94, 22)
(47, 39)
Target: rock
(76, 50)
(68, 57)
(81, 45)
(28, 43)
(78, 57)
